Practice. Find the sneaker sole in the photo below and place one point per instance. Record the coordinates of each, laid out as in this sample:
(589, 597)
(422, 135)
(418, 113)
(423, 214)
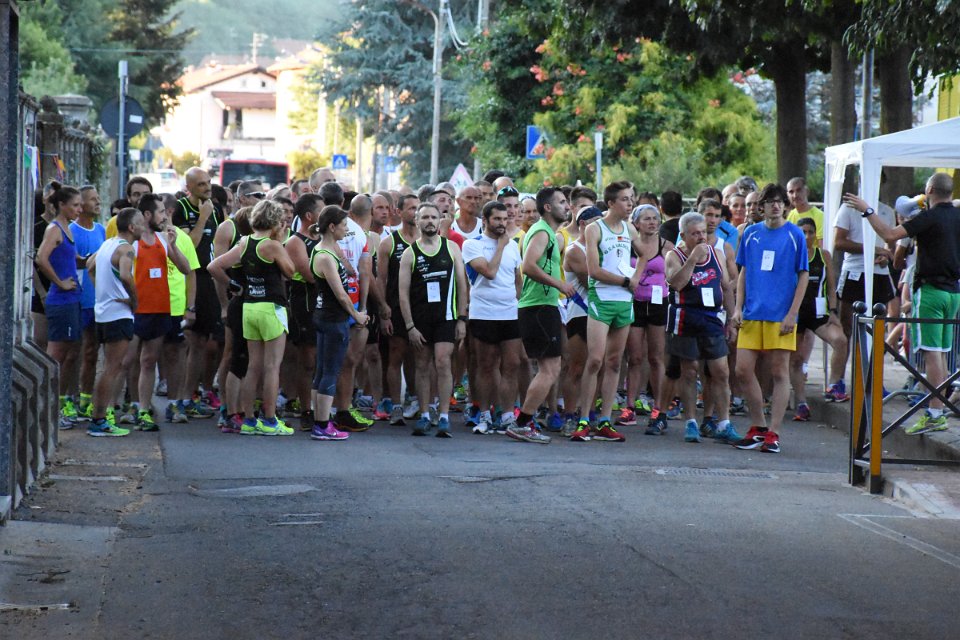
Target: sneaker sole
(443, 434)
(326, 438)
(605, 439)
(104, 434)
(749, 446)
(518, 438)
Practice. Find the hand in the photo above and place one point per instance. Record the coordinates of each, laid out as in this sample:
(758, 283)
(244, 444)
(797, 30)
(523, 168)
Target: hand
(461, 331)
(386, 326)
(362, 318)
(856, 202)
(788, 325)
(700, 252)
(206, 208)
(415, 338)
(736, 319)
(504, 239)
(730, 332)
(567, 289)
(172, 236)
(190, 317)
(68, 285)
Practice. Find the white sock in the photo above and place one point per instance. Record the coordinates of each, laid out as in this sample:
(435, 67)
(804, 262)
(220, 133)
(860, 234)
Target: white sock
(935, 413)
(425, 414)
(444, 416)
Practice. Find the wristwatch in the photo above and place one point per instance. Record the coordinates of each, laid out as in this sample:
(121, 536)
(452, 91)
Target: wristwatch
(869, 212)
(626, 282)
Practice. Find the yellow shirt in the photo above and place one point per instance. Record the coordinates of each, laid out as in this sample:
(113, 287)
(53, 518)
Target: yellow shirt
(814, 213)
(112, 227)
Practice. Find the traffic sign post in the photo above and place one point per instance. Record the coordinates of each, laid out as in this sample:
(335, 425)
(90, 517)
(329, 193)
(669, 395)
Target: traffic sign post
(340, 162)
(598, 147)
(536, 143)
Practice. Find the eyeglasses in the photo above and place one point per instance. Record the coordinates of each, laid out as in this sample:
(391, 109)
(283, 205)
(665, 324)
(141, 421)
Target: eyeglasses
(507, 192)
(259, 195)
(776, 201)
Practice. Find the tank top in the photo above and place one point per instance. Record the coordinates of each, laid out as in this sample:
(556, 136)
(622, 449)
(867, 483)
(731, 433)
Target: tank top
(433, 287)
(150, 276)
(235, 272)
(689, 313)
(654, 275)
(264, 280)
(577, 305)
(816, 288)
(327, 307)
(302, 293)
(63, 260)
(614, 249)
(533, 293)
(109, 288)
(400, 245)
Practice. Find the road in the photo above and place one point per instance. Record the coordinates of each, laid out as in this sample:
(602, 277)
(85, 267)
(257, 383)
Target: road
(204, 535)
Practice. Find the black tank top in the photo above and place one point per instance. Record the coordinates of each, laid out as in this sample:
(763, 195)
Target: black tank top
(327, 307)
(302, 293)
(816, 285)
(433, 288)
(264, 280)
(235, 272)
(393, 269)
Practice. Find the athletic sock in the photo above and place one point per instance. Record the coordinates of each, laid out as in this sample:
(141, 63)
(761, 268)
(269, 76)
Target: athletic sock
(425, 415)
(935, 413)
(524, 418)
(445, 416)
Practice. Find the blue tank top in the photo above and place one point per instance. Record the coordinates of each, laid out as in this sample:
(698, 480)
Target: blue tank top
(63, 259)
(689, 313)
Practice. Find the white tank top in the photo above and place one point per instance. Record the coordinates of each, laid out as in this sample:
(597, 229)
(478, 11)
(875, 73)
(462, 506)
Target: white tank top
(577, 305)
(614, 251)
(109, 289)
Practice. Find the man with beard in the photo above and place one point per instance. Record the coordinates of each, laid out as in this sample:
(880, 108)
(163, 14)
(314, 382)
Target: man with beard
(494, 329)
(433, 288)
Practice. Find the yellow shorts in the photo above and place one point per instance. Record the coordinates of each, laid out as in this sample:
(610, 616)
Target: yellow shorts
(759, 335)
(264, 321)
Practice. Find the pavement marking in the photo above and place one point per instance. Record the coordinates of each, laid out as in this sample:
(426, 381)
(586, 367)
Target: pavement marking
(255, 491)
(61, 606)
(298, 523)
(92, 463)
(54, 476)
(864, 522)
(295, 524)
(714, 473)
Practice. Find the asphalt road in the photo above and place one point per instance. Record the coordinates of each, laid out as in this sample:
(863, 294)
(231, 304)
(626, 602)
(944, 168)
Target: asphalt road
(388, 535)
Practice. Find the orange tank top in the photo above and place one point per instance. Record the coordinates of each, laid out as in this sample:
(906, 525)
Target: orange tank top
(150, 277)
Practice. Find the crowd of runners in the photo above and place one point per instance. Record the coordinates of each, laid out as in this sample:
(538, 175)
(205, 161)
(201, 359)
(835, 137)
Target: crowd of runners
(564, 312)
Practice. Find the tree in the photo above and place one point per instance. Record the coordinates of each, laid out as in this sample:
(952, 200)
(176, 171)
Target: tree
(48, 68)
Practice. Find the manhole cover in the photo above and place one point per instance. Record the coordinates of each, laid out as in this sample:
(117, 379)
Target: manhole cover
(715, 473)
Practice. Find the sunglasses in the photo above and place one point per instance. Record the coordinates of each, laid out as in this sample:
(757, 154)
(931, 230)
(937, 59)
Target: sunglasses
(508, 191)
(259, 195)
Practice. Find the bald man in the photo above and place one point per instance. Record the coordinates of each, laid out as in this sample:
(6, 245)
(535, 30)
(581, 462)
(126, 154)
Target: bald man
(468, 224)
(320, 176)
(501, 182)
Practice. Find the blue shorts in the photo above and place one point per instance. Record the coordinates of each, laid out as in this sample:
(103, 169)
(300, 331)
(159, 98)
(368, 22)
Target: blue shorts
(63, 322)
(150, 326)
(115, 331)
(174, 333)
(87, 319)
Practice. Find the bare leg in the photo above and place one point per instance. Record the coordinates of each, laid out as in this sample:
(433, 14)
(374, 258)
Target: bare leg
(746, 372)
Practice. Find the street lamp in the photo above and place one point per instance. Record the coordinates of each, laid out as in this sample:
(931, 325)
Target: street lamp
(437, 81)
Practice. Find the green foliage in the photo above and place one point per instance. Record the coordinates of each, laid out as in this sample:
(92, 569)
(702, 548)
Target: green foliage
(181, 163)
(98, 167)
(47, 67)
(302, 163)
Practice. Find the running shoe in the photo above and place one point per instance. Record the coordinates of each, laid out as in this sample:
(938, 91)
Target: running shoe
(753, 440)
(85, 408)
(569, 425)
(329, 432)
(65, 423)
(273, 427)
(102, 428)
(837, 392)
(926, 424)
(111, 416)
(443, 428)
(709, 427)
(212, 399)
(306, 420)
(233, 424)
(359, 417)
(555, 423)
(803, 413)
(607, 433)
(249, 427)
(384, 407)
(396, 416)
(412, 410)
(627, 418)
(737, 406)
(68, 409)
(674, 410)
(484, 425)
(161, 388)
(472, 415)
(728, 434)
(380, 415)
(434, 416)
(460, 393)
(175, 414)
(454, 405)
(691, 432)
(422, 427)
(582, 434)
(527, 433)
(293, 409)
(145, 421)
(501, 424)
(197, 410)
(364, 403)
(771, 443)
(657, 426)
(348, 421)
(643, 405)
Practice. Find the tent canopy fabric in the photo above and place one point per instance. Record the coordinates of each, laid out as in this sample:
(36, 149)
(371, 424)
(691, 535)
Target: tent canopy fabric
(933, 145)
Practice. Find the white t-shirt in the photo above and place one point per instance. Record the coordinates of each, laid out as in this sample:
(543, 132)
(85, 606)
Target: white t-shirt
(493, 299)
(851, 220)
(477, 231)
(354, 244)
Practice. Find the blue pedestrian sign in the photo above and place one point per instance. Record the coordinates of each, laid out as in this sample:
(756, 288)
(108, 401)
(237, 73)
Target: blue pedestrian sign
(536, 143)
(339, 161)
(390, 164)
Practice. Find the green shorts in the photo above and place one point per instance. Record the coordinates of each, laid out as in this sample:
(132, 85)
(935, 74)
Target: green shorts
(615, 314)
(264, 321)
(930, 302)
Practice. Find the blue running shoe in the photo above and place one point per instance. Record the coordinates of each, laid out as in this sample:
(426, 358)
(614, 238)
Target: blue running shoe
(657, 426)
(674, 411)
(472, 416)
(709, 427)
(422, 426)
(555, 423)
(728, 435)
(691, 432)
(443, 428)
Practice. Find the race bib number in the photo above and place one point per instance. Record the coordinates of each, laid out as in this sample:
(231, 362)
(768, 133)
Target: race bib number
(155, 273)
(707, 297)
(853, 275)
(656, 294)
(766, 263)
(626, 269)
(821, 306)
(433, 292)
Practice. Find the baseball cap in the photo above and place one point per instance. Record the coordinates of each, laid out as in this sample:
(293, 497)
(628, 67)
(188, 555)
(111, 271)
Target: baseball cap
(588, 213)
(908, 207)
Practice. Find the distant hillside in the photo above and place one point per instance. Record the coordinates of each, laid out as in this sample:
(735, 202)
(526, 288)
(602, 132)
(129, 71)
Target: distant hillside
(225, 28)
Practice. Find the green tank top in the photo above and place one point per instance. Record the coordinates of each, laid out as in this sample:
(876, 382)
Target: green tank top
(533, 293)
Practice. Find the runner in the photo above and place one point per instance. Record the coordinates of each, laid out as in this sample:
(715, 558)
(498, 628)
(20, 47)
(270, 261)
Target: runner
(433, 289)
(88, 235)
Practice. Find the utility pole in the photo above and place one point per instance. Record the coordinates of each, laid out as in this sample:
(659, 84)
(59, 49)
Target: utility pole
(866, 117)
(437, 87)
(121, 138)
(483, 22)
(359, 151)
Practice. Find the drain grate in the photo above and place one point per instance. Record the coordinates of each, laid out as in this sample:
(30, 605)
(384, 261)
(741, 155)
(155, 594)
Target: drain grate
(715, 473)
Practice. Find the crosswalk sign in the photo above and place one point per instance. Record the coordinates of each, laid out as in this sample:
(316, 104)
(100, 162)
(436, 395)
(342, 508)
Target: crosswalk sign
(339, 161)
(536, 143)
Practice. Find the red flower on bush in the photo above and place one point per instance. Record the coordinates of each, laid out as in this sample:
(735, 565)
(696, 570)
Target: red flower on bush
(547, 101)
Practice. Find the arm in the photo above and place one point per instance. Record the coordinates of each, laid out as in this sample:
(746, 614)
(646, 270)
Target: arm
(325, 265)
(737, 318)
(275, 251)
(124, 258)
(489, 269)
(900, 257)
(575, 261)
(678, 276)
(218, 269)
(377, 292)
(532, 270)
(386, 315)
(790, 322)
(222, 238)
(885, 231)
(206, 209)
(406, 261)
(173, 251)
(366, 275)
(831, 277)
(462, 300)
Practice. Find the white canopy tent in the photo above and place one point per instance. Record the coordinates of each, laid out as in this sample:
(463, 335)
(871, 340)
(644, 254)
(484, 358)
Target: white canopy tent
(934, 145)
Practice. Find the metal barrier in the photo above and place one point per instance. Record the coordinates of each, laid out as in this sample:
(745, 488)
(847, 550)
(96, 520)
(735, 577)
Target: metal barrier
(866, 412)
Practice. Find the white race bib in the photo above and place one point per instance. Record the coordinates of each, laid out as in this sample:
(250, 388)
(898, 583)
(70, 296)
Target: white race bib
(626, 269)
(433, 292)
(707, 297)
(155, 273)
(766, 263)
(821, 306)
(656, 294)
(853, 275)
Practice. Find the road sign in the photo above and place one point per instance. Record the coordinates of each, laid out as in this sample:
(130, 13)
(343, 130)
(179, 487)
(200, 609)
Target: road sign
(390, 164)
(132, 114)
(536, 143)
(461, 178)
(340, 161)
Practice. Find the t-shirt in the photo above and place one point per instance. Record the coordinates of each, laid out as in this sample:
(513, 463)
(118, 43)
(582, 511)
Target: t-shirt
(178, 281)
(814, 213)
(354, 246)
(937, 231)
(851, 220)
(670, 229)
(493, 299)
(534, 293)
(772, 259)
(476, 232)
(727, 232)
(111, 230)
(88, 241)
